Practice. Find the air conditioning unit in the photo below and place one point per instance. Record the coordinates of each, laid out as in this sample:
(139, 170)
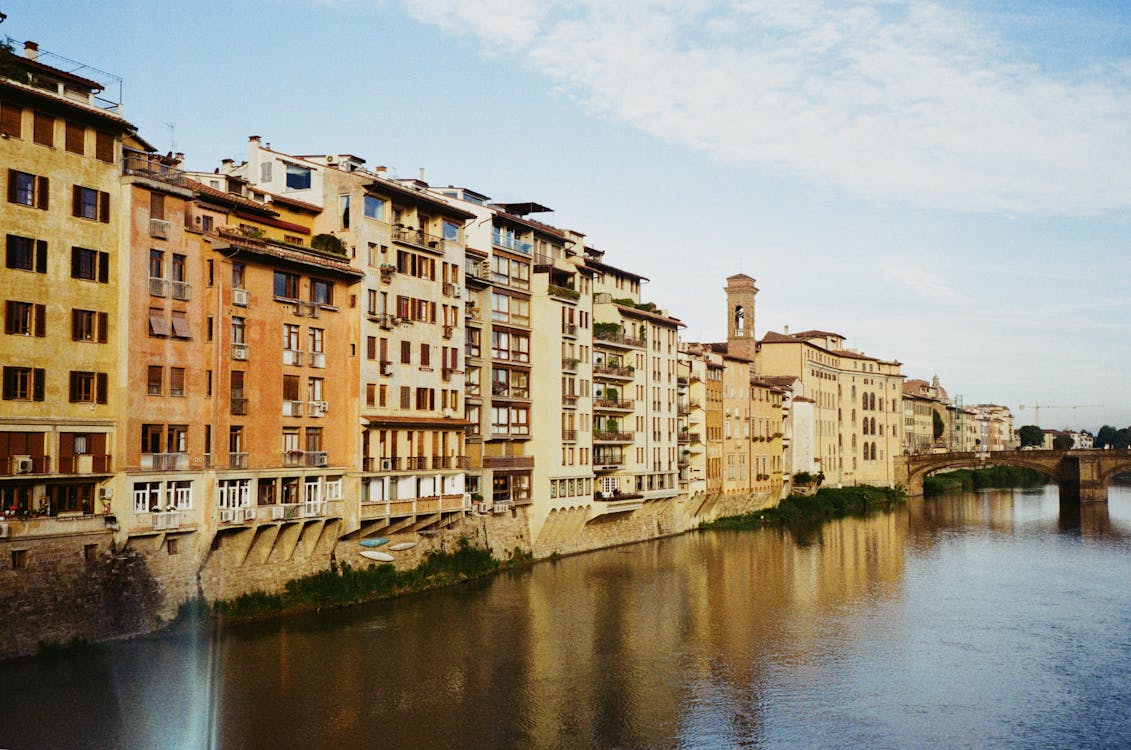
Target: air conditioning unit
(239, 297)
(331, 160)
(249, 514)
(105, 493)
(484, 269)
(23, 464)
(457, 292)
(4, 532)
(386, 464)
(387, 322)
(325, 405)
(386, 368)
(227, 515)
(239, 351)
(158, 228)
(300, 309)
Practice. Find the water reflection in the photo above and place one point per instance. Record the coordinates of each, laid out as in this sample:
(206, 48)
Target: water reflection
(708, 640)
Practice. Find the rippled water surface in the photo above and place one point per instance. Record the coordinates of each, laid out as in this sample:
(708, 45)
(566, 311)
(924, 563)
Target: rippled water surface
(982, 620)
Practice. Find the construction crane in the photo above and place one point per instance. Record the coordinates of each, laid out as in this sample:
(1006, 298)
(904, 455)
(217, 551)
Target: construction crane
(1037, 409)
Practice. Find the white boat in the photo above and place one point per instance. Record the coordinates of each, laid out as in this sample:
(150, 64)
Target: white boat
(377, 555)
(402, 546)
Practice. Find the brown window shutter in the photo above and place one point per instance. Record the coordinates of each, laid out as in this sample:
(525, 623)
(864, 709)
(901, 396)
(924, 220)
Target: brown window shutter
(103, 325)
(10, 120)
(40, 321)
(104, 267)
(371, 347)
(76, 316)
(37, 377)
(100, 387)
(8, 315)
(73, 388)
(76, 200)
(41, 192)
(11, 186)
(74, 262)
(9, 378)
(104, 208)
(11, 257)
(41, 256)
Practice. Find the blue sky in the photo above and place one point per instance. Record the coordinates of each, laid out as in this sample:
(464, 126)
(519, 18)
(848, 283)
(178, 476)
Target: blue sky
(945, 184)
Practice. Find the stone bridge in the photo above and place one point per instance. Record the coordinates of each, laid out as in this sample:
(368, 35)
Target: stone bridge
(1083, 475)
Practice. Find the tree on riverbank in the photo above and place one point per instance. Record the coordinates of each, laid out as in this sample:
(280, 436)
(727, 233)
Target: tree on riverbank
(1110, 437)
(1031, 435)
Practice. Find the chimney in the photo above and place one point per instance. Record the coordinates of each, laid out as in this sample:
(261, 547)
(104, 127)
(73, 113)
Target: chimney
(785, 329)
(31, 50)
(253, 138)
(422, 174)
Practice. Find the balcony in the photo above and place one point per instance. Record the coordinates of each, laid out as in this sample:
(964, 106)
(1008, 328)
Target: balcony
(305, 309)
(684, 436)
(164, 461)
(181, 290)
(386, 321)
(612, 404)
(158, 287)
(317, 360)
(569, 436)
(238, 406)
(510, 242)
(616, 338)
(293, 408)
(614, 372)
(28, 465)
(165, 520)
(569, 399)
(237, 460)
(569, 364)
(563, 292)
(304, 458)
(605, 462)
(418, 238)
(85, 464)
(151, 166)
(293, 357)
(682, 407)
(611, 436)
(473, 314)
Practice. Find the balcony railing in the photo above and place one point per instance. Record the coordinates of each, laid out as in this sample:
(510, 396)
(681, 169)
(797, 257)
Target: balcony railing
(84, 464)
(27, 465)
(304, 458)
(158, 287)
(418, 237)
(569, 399)
(164, 461)
(612, 404)
(237, 460)
(293, 357)
(569, 330)
(181, 290)
(239, 406)
(142, 165)
(611, 436)
(613, 371)
(569, 364)
(510, 242)
(293, 408)
(617, 337)
(563, 292)
(569, 436)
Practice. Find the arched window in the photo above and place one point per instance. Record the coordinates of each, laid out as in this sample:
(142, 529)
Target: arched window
(739, 319)
(873, 451)
(873, 398)
(873, 430)
(864, 402)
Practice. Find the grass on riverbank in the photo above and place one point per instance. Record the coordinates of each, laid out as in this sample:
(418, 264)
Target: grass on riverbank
(968, 480)
(798, 512)
(348, 585)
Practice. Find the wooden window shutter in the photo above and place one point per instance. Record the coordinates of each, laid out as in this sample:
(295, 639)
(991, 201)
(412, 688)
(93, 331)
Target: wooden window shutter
(38, 375)
(101, 387)
(11, 256)
(9, 383)
(104, 208)
(41, 256)
(104, 267)
(40, 321)
(11, 186)
(74, 386)
(10, 120)
(41, 192)
(371, 347)
(76, 331)
(9, 316)
(74, 262)
(103, 326)
(76, 200)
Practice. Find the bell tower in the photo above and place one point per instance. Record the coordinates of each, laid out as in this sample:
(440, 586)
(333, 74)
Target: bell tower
(741, 291)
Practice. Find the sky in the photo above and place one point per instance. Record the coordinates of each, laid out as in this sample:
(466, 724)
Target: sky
(945, 184)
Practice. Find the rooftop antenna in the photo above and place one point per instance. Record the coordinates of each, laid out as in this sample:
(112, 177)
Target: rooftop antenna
(172, 136)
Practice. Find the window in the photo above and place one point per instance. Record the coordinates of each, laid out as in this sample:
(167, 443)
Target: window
(406, 352)
(23, 384)
(90, 265)
(103, 146)
(88, 325)
(239, 329)
(286, 285)
(180, 325)
(156, 265)
(27, 189)
(314, 389)
(43, 129)
(344, 205)
(75, 138)
(425, 355)
(321, 292)
(25, 319)
(158, 326)
(178, 268)
(290, 336)
(26, 254)
(88, 387)
(374, 208)
(154, 380)
(88, 203)
(298, 178)
(237, 275)
(290, 387)
(176, 381)
(451, 231)
(11, 121)
(265, 171)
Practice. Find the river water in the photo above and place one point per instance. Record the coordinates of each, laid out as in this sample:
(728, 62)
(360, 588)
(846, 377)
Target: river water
(982, 620)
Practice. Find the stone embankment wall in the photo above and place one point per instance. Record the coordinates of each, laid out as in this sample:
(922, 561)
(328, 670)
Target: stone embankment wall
(55, 589)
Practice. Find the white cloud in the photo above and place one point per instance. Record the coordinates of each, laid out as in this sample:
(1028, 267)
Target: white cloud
(922, 283)
(903, 101)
